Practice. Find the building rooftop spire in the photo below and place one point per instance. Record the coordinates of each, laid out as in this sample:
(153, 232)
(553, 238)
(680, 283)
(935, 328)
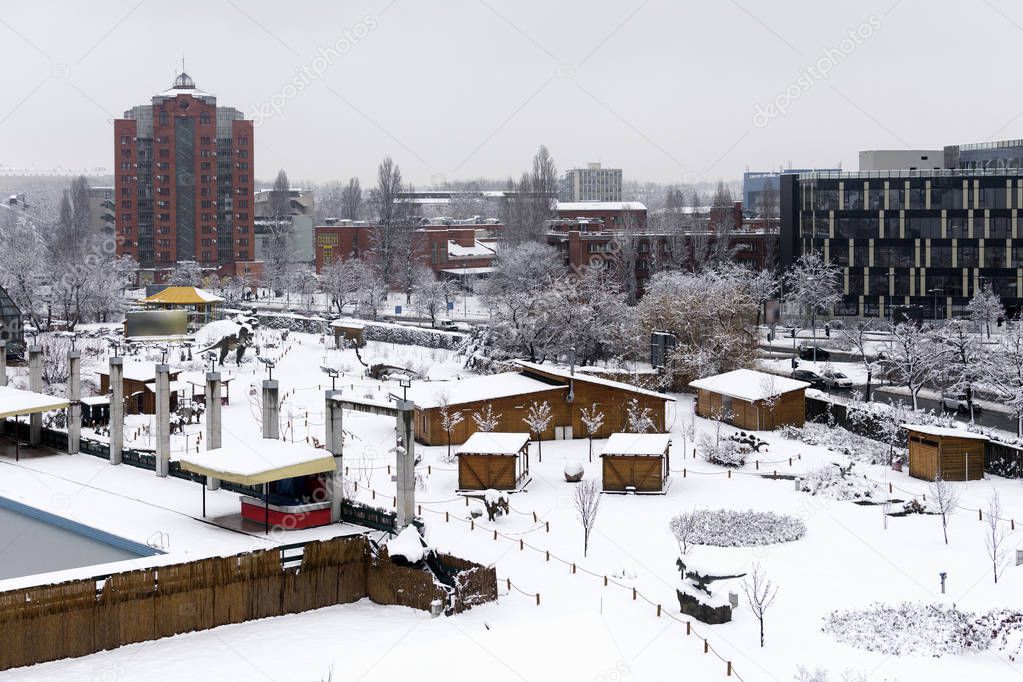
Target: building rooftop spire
(184, 81)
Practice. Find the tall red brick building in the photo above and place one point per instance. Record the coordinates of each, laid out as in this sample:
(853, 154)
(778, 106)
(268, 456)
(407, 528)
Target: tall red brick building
(183, 184)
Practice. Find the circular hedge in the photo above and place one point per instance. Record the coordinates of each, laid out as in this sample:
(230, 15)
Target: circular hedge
(732, 528)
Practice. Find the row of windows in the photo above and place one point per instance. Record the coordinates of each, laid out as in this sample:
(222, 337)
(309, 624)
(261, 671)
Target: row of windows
(925, 283)
(947, 194)
(908, 226)
(973, 254)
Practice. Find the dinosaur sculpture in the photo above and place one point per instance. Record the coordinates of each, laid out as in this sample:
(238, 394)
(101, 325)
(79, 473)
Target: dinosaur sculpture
(236, 342)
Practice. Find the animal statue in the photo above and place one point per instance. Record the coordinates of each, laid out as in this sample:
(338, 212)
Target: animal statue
(236, 342)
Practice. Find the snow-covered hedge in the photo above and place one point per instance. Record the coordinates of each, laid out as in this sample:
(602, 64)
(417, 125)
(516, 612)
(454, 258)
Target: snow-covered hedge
(732, 528)
(840, 440)
(926, 629)
(840, 484)
(405, 335)
(724, 452)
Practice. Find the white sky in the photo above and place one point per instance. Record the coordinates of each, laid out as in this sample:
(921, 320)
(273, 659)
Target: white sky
(666, 89)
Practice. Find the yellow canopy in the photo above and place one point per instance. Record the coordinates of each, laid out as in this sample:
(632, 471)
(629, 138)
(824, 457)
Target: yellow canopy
(259, 462)
(183, 296)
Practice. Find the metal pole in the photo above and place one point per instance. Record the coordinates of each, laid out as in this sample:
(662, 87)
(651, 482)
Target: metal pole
(266, 508)
(205, 479)
(17, 438)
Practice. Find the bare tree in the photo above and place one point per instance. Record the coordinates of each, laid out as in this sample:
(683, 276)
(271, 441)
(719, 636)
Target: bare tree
(945, 497)
(856, 335)
(913, 357)
(485, 419)
(587, 504)
(759, 595)
(592, 420)
(343, 280)
(351, 199)
(684, 527)
(638, 418)
(429, 292)
(1002, 370)
(279, 241)
(813, 285)
(995, 536)
(985, 307)
(538, 418)
(390, 217)
(449, 420)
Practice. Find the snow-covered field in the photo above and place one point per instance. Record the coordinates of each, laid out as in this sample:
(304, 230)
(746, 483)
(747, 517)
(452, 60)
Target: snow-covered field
(582, 629)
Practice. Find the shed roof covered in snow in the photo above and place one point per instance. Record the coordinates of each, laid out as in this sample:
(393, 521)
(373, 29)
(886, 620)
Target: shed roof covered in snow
(564, 373)
(427, 395)
(639, 444)
(494, 443)
(748, 384)
(15, 401)
(944, 431)
(259, 461)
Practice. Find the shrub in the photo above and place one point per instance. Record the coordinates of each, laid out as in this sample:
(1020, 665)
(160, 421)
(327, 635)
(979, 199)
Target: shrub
(839, 483)
(725, 452)
(731, 528)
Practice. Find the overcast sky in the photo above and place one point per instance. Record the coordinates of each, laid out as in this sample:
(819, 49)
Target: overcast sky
(668, 90)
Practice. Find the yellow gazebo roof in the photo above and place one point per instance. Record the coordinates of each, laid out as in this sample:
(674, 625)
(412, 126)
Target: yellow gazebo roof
(183, 296)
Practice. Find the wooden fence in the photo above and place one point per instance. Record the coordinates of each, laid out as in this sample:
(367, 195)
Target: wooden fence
(80, 617)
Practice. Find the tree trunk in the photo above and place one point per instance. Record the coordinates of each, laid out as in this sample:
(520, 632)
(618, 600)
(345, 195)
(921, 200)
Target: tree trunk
(539, 446)
(591, 448)
(761, 632)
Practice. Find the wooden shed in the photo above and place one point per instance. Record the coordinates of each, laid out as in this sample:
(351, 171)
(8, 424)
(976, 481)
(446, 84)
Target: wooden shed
(140, 388)
(751, 400)
(494, 459)
(348, 332)
(954, 454)
(635, 462)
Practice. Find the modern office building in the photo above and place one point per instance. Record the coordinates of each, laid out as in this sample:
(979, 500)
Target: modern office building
(757, 184)
(592, 183)
(901, 159)
(1000, 155)
(299, 211)
(930, 238)
(183, 184)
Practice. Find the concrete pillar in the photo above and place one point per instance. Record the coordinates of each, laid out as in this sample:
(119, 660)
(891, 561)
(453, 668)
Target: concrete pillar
(116, 409)
(271, 410)
(213, 427)
(406, 465)
(35, 383)
(74, 413)
(334, 438)
(162, 420)
(3, 363)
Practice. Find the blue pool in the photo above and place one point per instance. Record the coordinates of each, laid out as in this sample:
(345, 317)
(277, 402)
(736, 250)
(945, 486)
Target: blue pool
(34, 541)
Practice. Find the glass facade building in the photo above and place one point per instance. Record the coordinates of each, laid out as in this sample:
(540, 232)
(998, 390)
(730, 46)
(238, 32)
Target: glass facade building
(930, 238)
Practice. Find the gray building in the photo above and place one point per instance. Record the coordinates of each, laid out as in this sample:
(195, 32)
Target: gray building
(300, 213)
(901, 159)
(760, 189)
(1000, 155)
(101, 211)
(592, 183)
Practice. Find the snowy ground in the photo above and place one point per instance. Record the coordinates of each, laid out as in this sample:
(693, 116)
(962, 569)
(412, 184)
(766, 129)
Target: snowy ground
(582, 629)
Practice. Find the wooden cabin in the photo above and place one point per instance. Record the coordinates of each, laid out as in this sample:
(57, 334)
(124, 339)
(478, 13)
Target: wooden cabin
(140, 388)
(510, 394)
(752, 400)
(954, 454)
(348, 333)
(635, 462)
(493, 460)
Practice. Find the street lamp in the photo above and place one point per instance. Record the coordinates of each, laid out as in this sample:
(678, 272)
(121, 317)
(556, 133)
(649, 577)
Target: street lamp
(936, 292)
(405, 382)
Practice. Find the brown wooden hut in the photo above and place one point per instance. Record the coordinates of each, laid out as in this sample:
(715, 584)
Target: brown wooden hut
(497, 460)
(954, 454)
(751, 400)
(635, 462)
(140, 388)
(348, 332)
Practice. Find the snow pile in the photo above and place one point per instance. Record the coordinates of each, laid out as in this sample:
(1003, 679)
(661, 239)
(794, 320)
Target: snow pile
(926, 629)
(731, 528)
(495, 497)
(573, 467)
(839, 483)
(408, 544)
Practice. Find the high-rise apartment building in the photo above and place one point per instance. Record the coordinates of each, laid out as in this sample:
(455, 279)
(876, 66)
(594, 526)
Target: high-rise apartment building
(184, 184)
(592, 183)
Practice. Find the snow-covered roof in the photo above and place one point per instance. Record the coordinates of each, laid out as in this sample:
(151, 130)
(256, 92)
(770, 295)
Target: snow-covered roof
(15, 401)
(142, 372)
(950, 432)
(646, 444)
(748, 384)
(482, 270)
(259, 461)
(182, 296)
(563, 373)
(478, 249)
(494, 443)
(408, 544)
(564, 206)
(427, 395)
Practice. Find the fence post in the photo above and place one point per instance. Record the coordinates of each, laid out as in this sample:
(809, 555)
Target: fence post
(757, 463)
(980, 514)
(633, 594)
(729, 673)
(729, 472)
(683, 472)
(658, 610)
(521, 544)
(573, 569)
(706, 647)
(548, 526)
(446, 518)
(548, 553)
(537, 598)
(689, 627)
(605, 581)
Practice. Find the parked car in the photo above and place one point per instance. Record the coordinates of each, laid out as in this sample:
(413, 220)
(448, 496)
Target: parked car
(836, 380)
(806, 375)
(452, 326)
(807, 353)
(959, 403)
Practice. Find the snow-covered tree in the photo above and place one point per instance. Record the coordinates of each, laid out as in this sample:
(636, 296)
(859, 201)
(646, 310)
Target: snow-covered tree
(342, 280)
(945, 498)
(485, 419)
(593, 420)
(965, 362)
(913, 357)
(637, 417)
(1002, 370)
(429, 294)
(814, 286)
(985, 307)
(449, 420)
(587, 503)
(185, 273)
(760, 594)
(538, 418)
(995, 536)
(685, 527)
(856, 335)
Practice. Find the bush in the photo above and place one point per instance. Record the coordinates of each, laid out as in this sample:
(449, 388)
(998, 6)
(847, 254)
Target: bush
(839, 483)
(837, 439)
(725, 452)
(731, 528)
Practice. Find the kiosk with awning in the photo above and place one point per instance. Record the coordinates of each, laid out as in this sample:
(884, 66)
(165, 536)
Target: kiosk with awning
(294, 495)
(15, 402)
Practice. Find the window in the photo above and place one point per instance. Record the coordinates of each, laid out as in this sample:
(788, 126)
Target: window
(243, 140)
(126, 153)
(967, 256)
(994, 256)
(125, 139)
(125, 165)
(204, 118)
(1001, 227)
(126, 203)
(205, 140)
(162, 117)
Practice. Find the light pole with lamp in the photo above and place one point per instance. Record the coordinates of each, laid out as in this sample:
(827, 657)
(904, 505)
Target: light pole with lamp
(936, 292)
(405, 382)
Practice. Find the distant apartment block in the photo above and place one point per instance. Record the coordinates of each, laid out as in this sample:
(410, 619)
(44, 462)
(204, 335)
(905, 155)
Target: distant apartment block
(297, 217)
(102, 210)
(592, 183)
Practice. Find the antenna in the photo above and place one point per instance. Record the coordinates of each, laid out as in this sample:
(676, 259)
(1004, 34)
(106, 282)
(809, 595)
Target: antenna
(182, 62)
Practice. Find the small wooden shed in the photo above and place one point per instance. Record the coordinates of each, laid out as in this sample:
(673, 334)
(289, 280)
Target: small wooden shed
(348, 332)
(493, 459)
(635, 462)
(140, 388)
(751, 400)
(954, 454)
